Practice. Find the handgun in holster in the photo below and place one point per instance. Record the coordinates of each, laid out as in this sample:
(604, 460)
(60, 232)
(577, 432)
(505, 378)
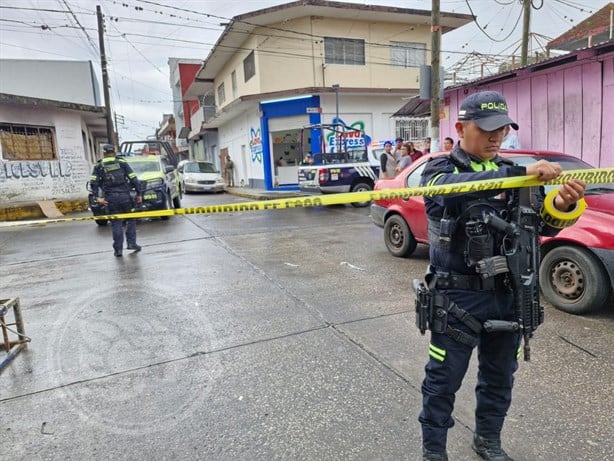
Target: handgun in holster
(423, 305)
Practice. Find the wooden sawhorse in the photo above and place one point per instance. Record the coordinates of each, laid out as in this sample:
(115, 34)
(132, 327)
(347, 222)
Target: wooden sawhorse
(12, 347)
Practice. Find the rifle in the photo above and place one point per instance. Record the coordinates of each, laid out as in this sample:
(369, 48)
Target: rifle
(521, 250)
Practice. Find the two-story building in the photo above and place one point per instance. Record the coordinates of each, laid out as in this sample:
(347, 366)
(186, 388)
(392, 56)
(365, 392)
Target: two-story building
(181, 75)
(276, 70)
(50, 130)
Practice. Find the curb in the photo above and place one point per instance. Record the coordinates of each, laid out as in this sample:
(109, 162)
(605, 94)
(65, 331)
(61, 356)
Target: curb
(31, 210)
(263, 195)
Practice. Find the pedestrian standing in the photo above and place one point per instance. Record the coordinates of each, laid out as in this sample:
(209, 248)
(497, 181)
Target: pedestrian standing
(230, 172)
(426, 148)
(396, 151)
(461, 238)
(388, 164)
(414, 153)
(113, 176)
(405, 159)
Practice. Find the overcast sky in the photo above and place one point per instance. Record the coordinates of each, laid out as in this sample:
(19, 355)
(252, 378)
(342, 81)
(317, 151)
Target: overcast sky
(142, 35)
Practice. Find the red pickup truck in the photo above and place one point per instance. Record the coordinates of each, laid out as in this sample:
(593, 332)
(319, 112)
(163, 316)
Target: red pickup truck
(577, 266)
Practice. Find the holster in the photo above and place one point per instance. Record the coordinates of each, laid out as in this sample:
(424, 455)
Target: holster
(432, 310)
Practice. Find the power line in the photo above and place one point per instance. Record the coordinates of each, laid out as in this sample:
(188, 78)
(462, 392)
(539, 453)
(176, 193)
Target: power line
(46, 10)
(35, 49)
(577, 6)
(123, 35)
(89, 39)
(483, 29)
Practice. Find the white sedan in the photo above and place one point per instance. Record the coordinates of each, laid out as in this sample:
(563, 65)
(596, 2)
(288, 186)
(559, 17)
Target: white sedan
(201, 177)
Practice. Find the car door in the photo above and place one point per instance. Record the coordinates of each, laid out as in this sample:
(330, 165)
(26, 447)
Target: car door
(415, 214)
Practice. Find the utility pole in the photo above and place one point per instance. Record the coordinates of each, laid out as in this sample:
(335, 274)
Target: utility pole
(526, 24)
(105, 78)
(435, 59)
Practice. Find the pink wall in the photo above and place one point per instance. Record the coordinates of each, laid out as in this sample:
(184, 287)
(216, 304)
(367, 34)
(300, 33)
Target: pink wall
(567, 108)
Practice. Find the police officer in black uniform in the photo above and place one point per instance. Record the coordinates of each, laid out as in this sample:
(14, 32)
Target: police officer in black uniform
(114, 177)
(458, 237)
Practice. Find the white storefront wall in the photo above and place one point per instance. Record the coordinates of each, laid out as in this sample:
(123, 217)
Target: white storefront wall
(241, 136)
(62, 179)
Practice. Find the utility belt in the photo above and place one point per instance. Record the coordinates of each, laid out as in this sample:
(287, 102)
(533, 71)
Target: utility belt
(447, 281)
(434, 307)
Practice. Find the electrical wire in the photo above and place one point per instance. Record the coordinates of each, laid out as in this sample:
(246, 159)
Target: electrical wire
(89, 39)
(486, 33)
(46, 10)
(577, 6)
(537, 7)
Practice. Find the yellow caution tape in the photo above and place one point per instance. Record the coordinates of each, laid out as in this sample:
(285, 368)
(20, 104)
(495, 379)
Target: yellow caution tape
(561, 219)
(590, 176)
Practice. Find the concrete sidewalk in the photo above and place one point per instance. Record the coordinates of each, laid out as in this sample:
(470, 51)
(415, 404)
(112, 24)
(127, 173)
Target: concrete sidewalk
(32, 210)
(261, 194)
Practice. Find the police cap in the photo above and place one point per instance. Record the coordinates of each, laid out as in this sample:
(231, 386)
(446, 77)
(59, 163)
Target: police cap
(488, 109)
(108, 149)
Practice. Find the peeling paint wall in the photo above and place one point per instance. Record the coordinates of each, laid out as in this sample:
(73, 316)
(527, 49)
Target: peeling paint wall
(61, 179)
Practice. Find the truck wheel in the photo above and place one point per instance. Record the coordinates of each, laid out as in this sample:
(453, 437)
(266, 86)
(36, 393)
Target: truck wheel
(168, 205)
(399, 239)
(573, 280)
(361, 187)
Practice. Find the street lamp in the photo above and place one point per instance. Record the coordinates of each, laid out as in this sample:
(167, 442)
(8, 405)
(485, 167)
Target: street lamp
(336, 90)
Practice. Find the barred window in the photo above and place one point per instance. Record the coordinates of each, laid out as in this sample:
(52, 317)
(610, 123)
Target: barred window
(221, 94)
(413, 129)
(25, 142)
(249, 66)
(344, 51)
(404, 54)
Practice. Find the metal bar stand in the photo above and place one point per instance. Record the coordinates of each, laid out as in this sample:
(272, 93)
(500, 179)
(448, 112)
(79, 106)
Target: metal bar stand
(10, 345)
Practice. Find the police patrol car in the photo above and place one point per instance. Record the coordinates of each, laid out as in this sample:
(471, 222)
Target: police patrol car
(344, 162)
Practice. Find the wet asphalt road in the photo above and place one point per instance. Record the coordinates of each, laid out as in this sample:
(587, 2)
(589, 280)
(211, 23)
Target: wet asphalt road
(277, 335)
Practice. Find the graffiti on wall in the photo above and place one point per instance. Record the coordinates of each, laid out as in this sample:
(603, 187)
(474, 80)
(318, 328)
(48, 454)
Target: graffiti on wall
(34, 169)
(44, 179)
(255, 145)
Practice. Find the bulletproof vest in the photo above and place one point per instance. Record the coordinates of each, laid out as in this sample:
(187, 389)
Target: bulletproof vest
(462, 229)
(113, 174)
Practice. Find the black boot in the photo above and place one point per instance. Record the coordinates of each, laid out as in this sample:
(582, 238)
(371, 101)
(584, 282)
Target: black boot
(489, 449)
(428, 455)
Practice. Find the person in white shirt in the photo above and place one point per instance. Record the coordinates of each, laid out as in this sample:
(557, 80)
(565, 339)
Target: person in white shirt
(510, 140)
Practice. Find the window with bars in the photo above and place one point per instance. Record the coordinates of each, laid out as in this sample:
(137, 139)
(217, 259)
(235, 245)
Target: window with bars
(221, 95)
(249, 66)
(413, 129)
(405, 54)
(349, 51)
(26, 142)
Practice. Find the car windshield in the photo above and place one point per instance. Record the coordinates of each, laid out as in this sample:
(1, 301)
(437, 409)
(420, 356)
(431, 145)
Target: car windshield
(140, 167)
(199, 168)
(567, 163)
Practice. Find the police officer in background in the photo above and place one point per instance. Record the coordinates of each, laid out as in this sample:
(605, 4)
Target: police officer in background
(482, 121)
(114, 177)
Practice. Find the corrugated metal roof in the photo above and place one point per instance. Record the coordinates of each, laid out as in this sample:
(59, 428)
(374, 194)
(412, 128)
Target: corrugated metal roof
(415, 107)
